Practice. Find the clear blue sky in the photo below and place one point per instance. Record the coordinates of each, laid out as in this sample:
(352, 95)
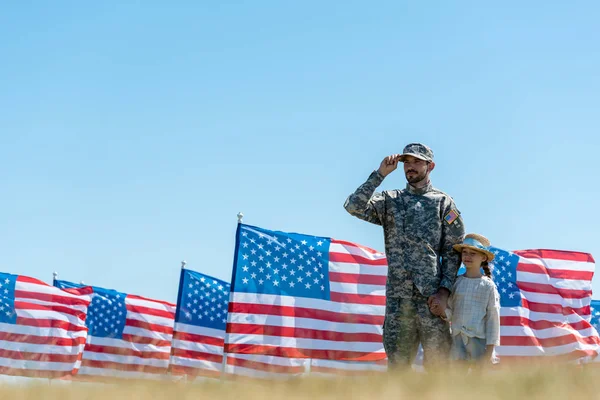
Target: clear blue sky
(131, 133)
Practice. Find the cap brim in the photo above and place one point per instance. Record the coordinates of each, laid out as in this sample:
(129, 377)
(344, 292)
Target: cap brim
(419, 156)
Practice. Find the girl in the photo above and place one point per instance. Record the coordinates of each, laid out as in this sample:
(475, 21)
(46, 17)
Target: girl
(474, 305)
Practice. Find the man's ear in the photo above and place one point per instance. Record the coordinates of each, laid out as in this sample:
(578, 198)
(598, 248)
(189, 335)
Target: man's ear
(431, 166)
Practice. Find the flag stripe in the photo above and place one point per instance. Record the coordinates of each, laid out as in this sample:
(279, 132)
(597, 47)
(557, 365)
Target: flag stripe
(301, 333)
(18, 339)
(556, 273)
(125, 351)
(565, 293)
(190, 337)
(187, 346)
(302, 323)
(33, 288)
(197, 355)
(299, 352)
(358, 289)
(23, 307)
(22, 353)
(253, 366)
(356, 269)
(556, 255)
(534, 349)
(46, 327)
(147, 312)
(557, 331)
(317, 344)
(540, 325)
(345, 277)
(151, 303)
(553, 298)
(355, 259)
(358, 298)
(151, 328)
(566, 354)
(47, 316)
(40, 369)
(240, 307)
(342, 246)
(145, 340)
(555, 308)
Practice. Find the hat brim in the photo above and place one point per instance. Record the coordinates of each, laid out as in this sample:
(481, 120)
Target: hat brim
(419, 156)
(460, 247)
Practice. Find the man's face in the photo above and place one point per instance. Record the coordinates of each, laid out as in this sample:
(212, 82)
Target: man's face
(415, 169)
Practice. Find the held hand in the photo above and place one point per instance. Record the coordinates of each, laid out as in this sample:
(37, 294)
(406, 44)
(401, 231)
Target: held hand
(438, 302)
(389, 164)
(436, 309)
(435, 306)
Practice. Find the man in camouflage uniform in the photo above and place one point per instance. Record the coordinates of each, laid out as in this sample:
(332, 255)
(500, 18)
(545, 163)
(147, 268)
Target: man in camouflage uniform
(420, 225)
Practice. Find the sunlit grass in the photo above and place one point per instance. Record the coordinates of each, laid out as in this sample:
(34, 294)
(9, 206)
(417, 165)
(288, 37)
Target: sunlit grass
(547, 382)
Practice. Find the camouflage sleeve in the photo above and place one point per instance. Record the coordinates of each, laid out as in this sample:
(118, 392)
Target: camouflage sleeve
(453, 232)
(365, 203)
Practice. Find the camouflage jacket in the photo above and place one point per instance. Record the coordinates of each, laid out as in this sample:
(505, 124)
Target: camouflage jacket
(420, 227)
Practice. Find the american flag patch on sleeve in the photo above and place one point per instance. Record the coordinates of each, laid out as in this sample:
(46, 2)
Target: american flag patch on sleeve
(451, 216)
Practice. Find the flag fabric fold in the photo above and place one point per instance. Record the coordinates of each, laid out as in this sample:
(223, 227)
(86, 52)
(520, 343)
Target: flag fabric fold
(129, 336)
(42, 328)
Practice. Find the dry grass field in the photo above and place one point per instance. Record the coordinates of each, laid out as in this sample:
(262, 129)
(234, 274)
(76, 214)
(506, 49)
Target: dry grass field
(547, 382)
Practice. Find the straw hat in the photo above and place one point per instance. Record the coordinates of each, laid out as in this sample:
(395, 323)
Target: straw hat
(476, 242)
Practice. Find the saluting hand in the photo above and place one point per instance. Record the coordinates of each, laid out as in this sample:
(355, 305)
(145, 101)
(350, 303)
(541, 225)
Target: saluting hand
(389, 164)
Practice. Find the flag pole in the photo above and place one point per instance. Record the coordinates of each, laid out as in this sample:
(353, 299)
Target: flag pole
(240, 217)
(54, 276)
(183, 264)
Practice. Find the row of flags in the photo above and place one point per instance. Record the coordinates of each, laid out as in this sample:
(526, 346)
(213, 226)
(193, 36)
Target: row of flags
(296, 303)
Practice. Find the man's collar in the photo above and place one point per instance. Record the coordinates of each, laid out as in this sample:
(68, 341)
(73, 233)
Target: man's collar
(413, 190)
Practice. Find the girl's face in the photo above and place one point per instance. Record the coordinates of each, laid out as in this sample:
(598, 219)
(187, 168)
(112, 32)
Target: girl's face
(472, 258)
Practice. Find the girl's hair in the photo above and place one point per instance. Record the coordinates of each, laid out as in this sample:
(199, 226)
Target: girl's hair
(486, 269)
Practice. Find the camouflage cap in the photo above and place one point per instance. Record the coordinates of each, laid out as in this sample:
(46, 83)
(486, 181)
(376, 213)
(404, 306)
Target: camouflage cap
(417, 150)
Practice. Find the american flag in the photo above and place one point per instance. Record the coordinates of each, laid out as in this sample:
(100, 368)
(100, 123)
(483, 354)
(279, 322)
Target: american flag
(593, 361)
(545, 298)
(297, 298)
(129, 336)
(595, 314)
(42, 328)
(200, 322)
